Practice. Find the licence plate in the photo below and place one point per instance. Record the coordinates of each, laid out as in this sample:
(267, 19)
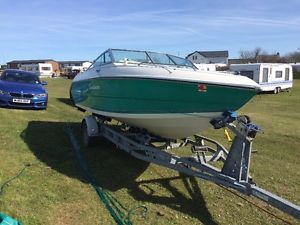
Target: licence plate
(18, 100)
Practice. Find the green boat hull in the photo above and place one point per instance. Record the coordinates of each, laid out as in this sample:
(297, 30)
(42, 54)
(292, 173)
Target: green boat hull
(156, 96)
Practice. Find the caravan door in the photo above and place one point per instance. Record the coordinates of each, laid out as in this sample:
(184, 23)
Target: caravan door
(265, 75)
(287, 74)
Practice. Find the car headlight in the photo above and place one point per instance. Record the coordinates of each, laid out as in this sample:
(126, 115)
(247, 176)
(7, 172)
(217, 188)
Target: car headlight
(43, 95)
(3, 92)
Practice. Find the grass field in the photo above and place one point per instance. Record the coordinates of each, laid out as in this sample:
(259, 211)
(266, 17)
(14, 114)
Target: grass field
(53, 189)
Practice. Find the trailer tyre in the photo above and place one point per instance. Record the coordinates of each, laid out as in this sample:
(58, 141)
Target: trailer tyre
(71, 97)
(88, 141)
(277, 90)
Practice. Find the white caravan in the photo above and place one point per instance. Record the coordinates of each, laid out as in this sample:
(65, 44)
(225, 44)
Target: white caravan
(41, 69)
(270, 76)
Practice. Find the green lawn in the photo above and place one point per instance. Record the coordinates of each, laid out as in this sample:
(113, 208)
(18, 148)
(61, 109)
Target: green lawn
(53, 189)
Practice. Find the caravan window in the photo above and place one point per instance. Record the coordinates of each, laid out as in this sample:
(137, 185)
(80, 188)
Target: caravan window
(46, 68)
(278, 74)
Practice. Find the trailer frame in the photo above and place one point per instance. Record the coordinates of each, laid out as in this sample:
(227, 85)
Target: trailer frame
(236, 161)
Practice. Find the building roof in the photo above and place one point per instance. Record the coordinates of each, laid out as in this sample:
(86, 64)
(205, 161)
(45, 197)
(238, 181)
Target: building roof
(30, 61)
(211, 54)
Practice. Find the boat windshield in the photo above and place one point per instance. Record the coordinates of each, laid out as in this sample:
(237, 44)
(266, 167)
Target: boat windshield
(159, 58)
(181, 61)
(133, 56)
(130, 56)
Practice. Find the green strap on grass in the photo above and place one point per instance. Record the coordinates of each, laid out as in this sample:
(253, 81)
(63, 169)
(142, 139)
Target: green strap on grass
(14, 177)
(120, 214)
(5, 219)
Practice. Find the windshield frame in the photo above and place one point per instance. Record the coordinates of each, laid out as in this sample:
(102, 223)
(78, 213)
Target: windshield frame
(148, 59)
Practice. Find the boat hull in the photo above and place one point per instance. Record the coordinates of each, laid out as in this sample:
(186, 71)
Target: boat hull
(168, 108)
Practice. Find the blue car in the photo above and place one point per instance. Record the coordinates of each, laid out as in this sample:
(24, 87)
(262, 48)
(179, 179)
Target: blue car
(22, 89)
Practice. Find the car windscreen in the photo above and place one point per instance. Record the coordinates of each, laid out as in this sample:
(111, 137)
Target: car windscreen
(20, 77)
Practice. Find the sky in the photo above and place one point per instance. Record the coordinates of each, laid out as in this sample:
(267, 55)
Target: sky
(82, 30)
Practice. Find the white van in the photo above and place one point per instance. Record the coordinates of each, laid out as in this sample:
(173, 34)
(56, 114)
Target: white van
(270, 76)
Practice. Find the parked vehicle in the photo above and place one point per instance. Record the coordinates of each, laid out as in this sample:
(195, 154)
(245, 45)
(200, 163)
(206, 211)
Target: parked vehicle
(40, 69)
(71, 74)
(270, 76)
(22, 89)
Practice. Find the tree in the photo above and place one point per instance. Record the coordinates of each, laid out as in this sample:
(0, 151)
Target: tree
(251, 55)
(258, 55)
(245, 54)
(293, 57)
(257, 51)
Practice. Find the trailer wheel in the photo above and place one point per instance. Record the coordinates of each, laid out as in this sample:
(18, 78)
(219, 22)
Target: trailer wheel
(88, 141)
(277, 90)
(71, 98)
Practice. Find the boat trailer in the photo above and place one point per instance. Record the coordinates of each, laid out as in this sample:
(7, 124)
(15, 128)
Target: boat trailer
(205, 151)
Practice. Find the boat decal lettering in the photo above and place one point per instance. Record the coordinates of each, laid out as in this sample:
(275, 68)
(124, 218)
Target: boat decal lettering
(95, 88)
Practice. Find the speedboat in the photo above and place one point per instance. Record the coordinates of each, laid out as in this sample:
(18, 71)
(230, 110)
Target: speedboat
(162, 93)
